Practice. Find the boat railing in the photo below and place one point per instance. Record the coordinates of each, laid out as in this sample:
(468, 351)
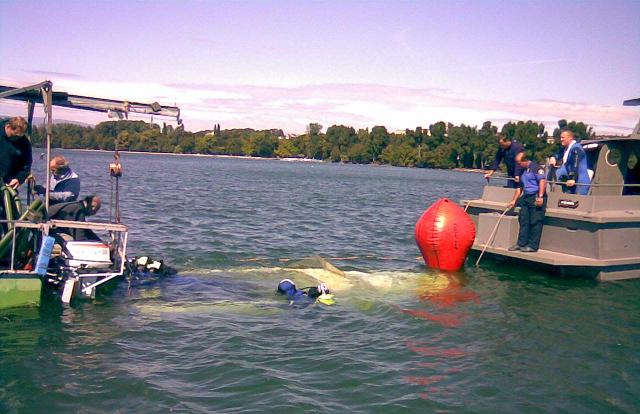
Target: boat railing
(118, 233)
(552, 185)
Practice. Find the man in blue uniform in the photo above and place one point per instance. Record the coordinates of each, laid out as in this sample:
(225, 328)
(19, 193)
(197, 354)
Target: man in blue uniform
(574, 167)
(530, 196)
(507, 151)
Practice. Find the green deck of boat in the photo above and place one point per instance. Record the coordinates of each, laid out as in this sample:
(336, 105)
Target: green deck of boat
(19, 291)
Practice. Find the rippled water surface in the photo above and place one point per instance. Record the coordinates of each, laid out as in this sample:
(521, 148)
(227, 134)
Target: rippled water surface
(401, 338)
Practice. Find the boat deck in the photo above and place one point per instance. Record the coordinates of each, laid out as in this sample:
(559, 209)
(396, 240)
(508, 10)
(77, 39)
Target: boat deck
(553, 258)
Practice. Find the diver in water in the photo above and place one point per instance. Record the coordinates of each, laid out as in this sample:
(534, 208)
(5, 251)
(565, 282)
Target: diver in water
(306, 295)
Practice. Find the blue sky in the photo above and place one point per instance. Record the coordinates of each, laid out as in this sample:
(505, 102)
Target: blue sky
(283, 64)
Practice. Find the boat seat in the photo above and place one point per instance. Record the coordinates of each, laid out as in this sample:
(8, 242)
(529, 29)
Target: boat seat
(611, 169)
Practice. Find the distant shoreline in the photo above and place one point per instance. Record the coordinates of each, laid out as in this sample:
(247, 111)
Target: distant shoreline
(246, 157)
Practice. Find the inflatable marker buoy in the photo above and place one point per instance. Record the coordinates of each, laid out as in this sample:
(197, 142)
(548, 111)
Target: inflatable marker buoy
(444, 235)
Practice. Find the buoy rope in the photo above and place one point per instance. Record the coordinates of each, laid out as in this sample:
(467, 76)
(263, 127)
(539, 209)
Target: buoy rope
(288, 259)
(490, 239)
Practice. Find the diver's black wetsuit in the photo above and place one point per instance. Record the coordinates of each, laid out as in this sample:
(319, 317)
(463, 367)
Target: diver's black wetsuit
(74, 211)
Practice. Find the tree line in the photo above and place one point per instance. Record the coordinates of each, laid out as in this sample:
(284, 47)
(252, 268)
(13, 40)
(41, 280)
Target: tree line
(441, 145)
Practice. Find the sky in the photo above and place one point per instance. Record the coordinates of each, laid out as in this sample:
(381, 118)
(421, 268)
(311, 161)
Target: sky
(285, 64)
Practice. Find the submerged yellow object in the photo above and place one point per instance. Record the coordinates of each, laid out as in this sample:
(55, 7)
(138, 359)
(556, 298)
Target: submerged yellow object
(326, 299)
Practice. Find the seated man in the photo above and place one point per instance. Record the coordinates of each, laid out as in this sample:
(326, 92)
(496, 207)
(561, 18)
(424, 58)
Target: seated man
(574, 167)
(64, 184)
(77, 211)
(532, 200)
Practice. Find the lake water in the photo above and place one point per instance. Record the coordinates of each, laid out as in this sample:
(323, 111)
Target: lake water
(401, 338)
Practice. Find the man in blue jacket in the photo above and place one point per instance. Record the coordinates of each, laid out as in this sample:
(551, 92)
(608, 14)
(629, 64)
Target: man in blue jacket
(532, 200)
(574, 167)
(64, 184)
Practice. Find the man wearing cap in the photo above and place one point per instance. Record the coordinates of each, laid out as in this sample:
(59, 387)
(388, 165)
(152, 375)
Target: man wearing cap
(530, 196)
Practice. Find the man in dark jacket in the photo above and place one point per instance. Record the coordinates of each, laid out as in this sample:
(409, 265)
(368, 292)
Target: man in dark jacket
(77, 211)
(507, 152)
(64, 184)
(15, 152)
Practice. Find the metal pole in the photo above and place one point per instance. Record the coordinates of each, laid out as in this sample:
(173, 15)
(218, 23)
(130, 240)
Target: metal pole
(47, 94)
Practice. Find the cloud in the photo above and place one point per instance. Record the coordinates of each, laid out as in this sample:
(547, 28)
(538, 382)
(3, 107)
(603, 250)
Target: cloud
(357, 105)
(50, 74)
(501, 65)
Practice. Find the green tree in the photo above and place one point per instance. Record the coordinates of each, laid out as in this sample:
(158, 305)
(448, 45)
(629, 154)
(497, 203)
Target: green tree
(378, 141)
(286, 148)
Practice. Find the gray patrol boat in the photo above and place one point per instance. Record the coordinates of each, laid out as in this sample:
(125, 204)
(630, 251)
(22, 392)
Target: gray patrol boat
(592, 236)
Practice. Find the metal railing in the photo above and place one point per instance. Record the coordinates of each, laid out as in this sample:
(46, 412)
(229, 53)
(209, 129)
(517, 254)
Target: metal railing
(553, 183)
(119, 234)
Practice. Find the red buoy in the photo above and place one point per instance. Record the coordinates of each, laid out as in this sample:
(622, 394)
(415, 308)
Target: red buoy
(444, 235)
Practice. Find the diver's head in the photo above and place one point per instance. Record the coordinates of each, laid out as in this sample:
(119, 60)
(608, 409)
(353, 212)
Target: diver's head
(92, 204)
(286, 286)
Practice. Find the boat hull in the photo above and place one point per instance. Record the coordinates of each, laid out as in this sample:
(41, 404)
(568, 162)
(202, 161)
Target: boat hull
(584, 236)
(19, 290)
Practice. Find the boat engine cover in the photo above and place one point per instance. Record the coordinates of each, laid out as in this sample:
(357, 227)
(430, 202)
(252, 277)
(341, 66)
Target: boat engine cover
(88, 254)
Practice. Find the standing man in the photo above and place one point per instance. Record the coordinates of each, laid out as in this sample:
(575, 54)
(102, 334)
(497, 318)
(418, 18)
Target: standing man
(531, 198)
(64, 184)
(15, 152)
(507, 151)
(574, 167)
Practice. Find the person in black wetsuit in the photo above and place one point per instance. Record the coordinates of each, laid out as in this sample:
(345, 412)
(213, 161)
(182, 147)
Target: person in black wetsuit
(507, 151)
(76, 211)
(305, 296)
(15, 152)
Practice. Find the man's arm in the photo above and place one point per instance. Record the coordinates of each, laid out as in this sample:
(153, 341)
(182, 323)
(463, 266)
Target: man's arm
(542, 187)
(496, 163)
(516, 196)
(24, 172)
